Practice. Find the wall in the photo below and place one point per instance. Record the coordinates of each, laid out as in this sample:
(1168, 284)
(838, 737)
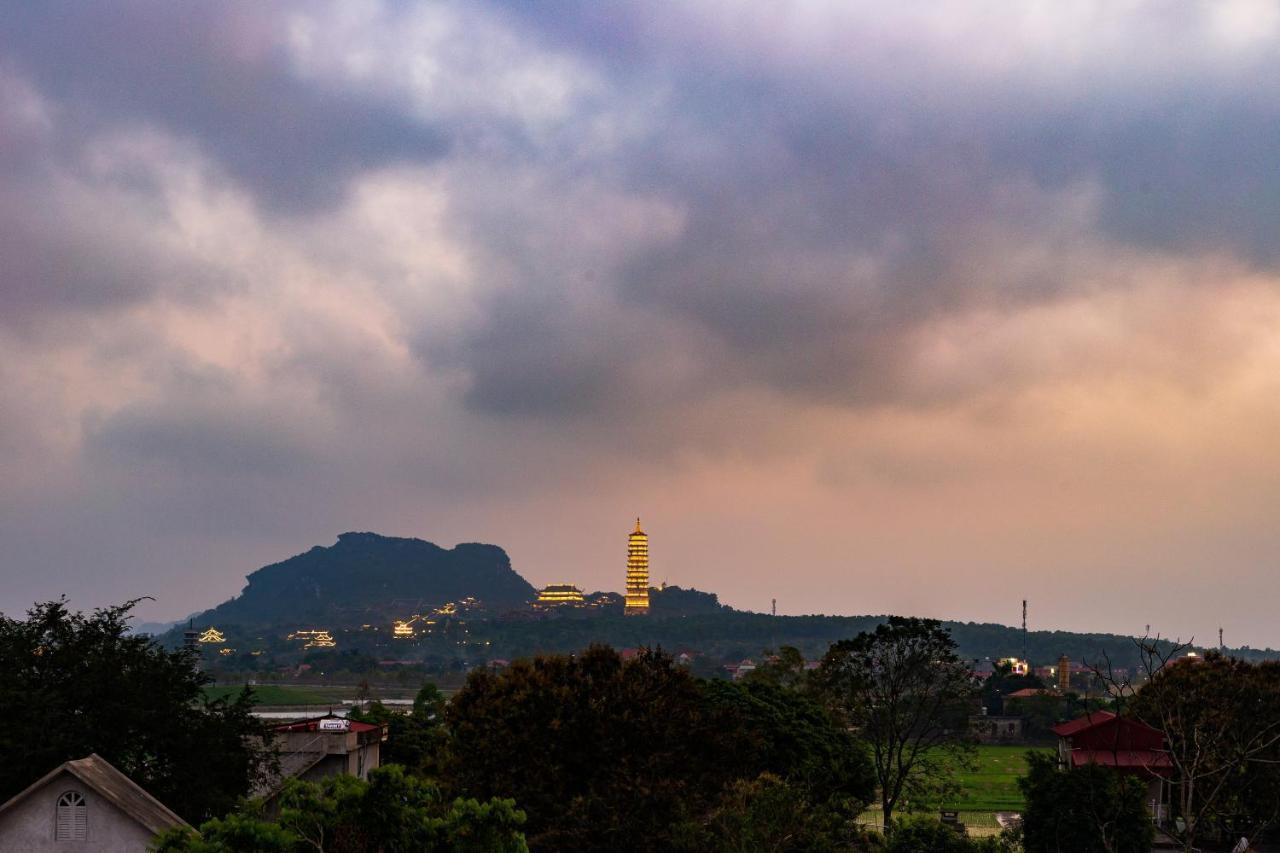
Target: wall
(28, 827)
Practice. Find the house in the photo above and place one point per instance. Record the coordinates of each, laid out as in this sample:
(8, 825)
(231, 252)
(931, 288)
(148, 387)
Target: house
(84, 805)
(1124, 744)
(314, 748)
(995, 729)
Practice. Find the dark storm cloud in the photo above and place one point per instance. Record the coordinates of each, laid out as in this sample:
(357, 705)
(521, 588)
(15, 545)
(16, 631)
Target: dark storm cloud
(835, 201)
(217, 74)
(272, 271)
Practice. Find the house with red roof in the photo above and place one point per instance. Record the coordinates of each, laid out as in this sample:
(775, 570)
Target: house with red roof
(1123, 744)
(317, 747)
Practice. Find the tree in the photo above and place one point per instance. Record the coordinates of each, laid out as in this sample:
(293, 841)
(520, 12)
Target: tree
(604, 754)
(93, 687)
(417, 740)
(780, 731)
(908, 695)
(1220, 718)
(768, 814)
(1001, 683)
(392, 812)
(1088, 809)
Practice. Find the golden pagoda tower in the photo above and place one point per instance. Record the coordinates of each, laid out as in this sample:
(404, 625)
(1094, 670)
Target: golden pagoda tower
(637, 572)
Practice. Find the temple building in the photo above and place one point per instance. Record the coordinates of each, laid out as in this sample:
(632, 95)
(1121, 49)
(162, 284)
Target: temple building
(637, 572)
(559, 593)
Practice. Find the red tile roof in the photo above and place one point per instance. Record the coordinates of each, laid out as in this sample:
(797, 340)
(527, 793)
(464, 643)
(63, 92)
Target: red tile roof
(1133, 759)
(313, 725)
(1080, 724)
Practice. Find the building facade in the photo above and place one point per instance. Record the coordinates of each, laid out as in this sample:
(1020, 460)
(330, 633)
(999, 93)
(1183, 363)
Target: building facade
(637, 601)
(557, 594)
(86, 805)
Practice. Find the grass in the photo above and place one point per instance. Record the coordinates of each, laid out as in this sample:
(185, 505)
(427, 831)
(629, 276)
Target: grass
(993, 785)
(272, 694)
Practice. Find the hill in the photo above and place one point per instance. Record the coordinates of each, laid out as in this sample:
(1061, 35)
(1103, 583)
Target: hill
(365, 575)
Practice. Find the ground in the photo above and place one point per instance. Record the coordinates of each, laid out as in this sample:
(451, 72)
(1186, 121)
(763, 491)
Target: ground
(991, 787)
(272, 694)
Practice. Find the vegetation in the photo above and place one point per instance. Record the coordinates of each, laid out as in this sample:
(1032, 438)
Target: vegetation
(920, 834)
(990, 784)
(607, 754)
(274, 694)
(392, 812)
(1220, 718)
(416, 740)
(907, 694)
(94, 688)
(365, 570)
(1089, 809)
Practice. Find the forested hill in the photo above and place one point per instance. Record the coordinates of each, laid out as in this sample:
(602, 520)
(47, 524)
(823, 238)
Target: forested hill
(369, 573)
(736, 634)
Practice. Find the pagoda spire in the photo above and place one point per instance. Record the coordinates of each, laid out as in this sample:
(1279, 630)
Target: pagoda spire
(637, 597)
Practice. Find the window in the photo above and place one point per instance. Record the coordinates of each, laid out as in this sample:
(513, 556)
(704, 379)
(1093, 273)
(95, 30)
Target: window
(73, 818)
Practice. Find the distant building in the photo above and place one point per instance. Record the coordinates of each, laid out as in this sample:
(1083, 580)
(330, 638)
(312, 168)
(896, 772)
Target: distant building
(1125, 745)
(84, 805)
(324, 746)
(994, 729)
(1017, 666)
(637, 572)
(560, 594)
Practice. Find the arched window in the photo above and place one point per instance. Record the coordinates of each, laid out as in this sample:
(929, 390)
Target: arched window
(73, 818)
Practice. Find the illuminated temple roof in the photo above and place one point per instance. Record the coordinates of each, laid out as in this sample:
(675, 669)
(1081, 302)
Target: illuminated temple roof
(559, 593)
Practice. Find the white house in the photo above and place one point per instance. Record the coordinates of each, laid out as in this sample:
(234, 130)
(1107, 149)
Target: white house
(86, 806)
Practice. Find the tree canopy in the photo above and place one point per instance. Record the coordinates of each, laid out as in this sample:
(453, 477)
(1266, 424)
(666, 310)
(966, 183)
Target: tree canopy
(1088, 809)
(908, 695)
(90, 686)
(393, 812)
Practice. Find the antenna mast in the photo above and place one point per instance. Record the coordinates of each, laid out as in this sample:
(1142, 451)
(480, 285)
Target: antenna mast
(1024, 629)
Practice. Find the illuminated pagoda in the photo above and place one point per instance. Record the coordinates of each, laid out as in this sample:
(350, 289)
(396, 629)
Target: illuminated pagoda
(557, 594)
(637, 572)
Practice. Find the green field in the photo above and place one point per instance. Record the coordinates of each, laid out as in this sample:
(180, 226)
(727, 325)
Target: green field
(993, 785)
(272, 694)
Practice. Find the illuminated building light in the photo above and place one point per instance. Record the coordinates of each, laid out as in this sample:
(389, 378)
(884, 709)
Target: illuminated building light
(637, 599)
(212, 635)
(1017, 666)
(316, 639)
(225, 651)
(402, 629)
(557, 594)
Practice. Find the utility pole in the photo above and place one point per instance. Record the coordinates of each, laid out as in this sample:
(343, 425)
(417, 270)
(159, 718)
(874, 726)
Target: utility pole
(773, 624)
(1024, 630)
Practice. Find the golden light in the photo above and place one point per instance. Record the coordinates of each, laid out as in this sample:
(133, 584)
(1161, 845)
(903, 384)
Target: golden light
(637, 598)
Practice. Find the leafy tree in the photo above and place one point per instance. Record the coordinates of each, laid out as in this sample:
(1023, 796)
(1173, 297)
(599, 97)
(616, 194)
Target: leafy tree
(604, 754)
(416, 740)
(1001, 683)
(785, 668)
(93, 687)
(908, 694)
(782, 732)
(768, 814)
(392, 812)
(1088, 809)
(1220, 718)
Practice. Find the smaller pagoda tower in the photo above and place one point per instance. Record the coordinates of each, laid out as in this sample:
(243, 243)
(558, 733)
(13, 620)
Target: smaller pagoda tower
(637, 572)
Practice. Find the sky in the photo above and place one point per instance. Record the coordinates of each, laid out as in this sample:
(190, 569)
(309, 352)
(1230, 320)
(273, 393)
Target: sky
(917, 308)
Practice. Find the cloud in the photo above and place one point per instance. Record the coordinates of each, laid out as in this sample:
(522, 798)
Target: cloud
(957, 292)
